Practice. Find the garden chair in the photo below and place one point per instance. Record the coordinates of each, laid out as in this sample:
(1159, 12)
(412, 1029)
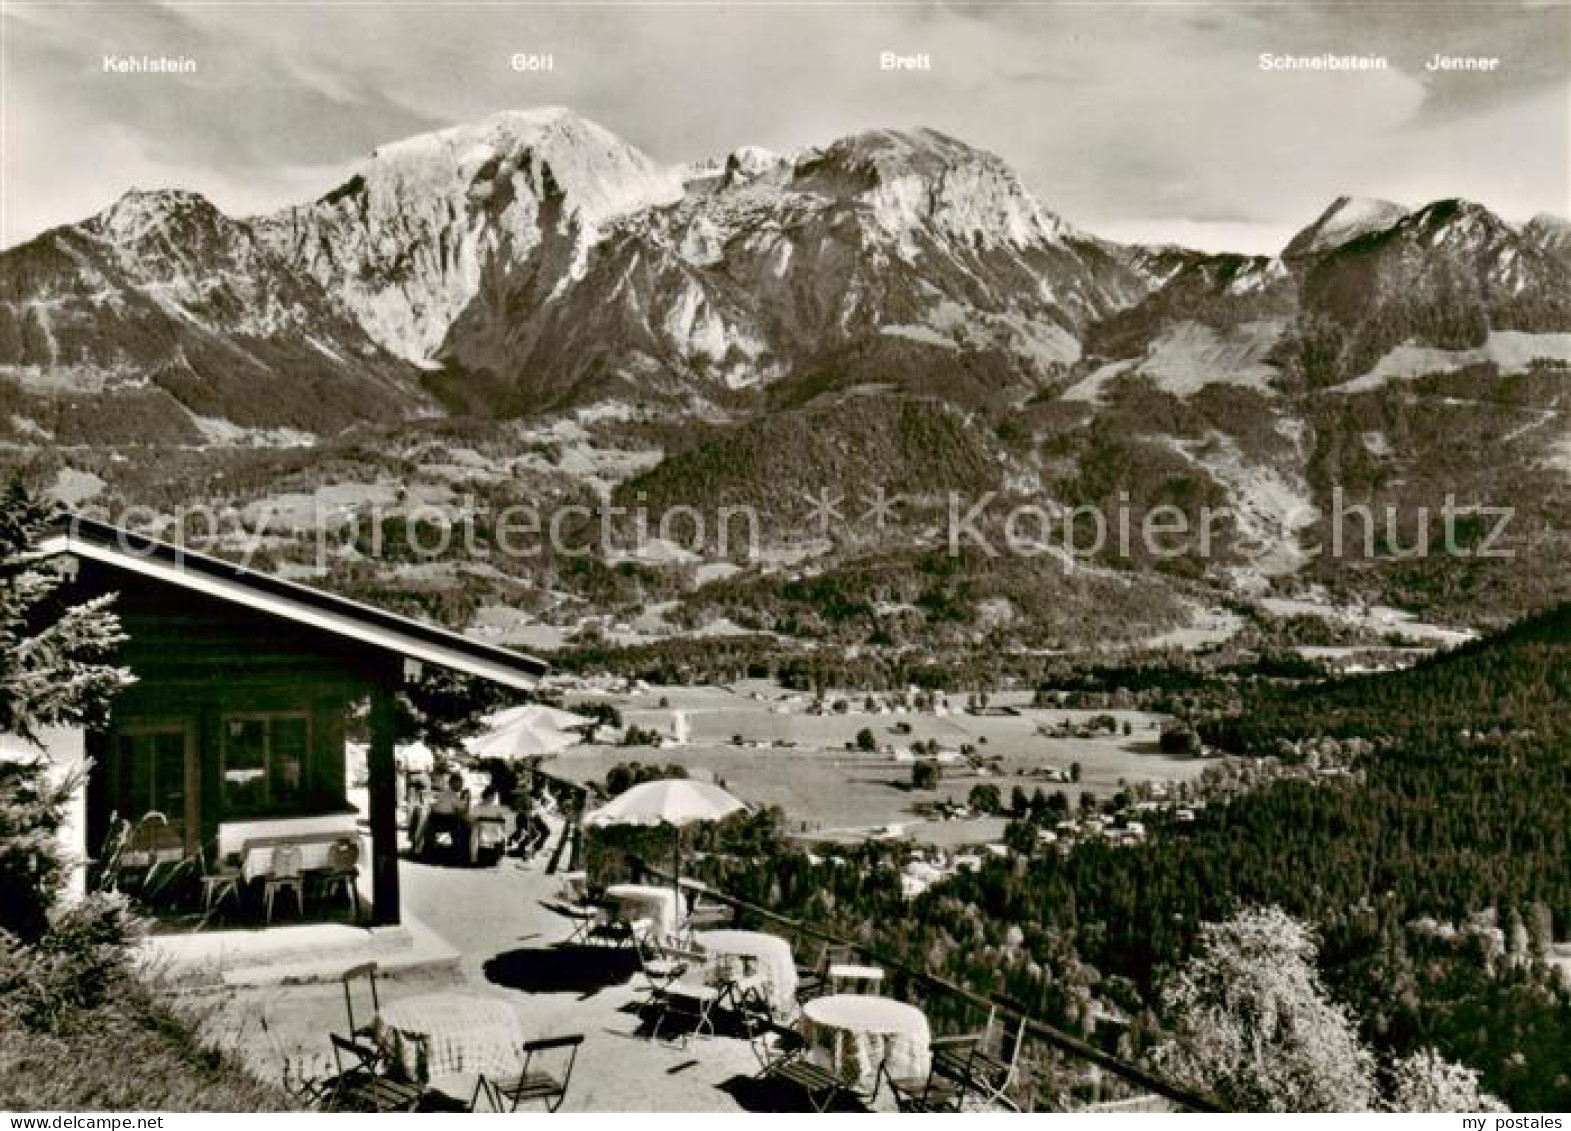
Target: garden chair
(221, 881)
(690, 999)
(661, 965)
(532, 1084)
(707, 917)
(813, 981)
(369, 1082)
(284, 874)
(985, 1064)
(820, 1087)
(583, 917)
(343, 873)
(366, 972)
(610, 929)
(935, 1092)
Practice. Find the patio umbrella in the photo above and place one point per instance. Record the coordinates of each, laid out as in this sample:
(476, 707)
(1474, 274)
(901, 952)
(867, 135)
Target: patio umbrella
(669, 801)
(527, 732)
(538, 714)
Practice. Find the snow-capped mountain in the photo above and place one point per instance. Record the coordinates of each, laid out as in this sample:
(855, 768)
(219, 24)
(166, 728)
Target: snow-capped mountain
(1343, 222)
(433, 227)
(1551, 235)
(767, 265)
(1364, 279)
(1446, 276)
(535, 261)
(182, 316)
(894, 306)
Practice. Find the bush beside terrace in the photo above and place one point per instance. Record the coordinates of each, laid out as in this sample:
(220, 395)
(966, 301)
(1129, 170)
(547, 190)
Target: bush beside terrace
(82, 1027)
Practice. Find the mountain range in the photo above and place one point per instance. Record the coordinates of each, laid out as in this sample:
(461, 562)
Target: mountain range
(534, 264)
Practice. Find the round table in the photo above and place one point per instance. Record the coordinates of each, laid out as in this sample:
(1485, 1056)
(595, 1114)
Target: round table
(459, 1034)
(772, 964)
(852, 1035)
(659, 905)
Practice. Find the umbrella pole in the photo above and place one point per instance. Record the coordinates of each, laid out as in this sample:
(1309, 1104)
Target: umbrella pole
(676, 864)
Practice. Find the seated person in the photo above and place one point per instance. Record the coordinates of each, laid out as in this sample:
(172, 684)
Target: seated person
(489, 823)
(449, 811)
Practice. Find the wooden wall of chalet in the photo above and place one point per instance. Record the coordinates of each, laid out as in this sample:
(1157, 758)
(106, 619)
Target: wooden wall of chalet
(198, 659)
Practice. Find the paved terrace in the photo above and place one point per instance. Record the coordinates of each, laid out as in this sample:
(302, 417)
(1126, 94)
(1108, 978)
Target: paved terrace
(493, 918)
(489, 935)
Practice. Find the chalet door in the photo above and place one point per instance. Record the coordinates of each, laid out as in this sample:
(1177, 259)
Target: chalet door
(156, 771)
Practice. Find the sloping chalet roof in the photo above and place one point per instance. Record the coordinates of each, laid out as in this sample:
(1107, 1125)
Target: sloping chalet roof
(399, 636)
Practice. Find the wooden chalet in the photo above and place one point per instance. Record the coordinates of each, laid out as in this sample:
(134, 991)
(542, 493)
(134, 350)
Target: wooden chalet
(236, 725)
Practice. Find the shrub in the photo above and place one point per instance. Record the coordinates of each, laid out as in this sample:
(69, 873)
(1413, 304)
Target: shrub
(70, 969)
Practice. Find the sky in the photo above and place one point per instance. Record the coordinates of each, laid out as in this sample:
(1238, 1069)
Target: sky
(1138, 122)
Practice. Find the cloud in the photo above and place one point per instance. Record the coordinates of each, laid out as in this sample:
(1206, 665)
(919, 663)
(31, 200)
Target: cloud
(1118, 119)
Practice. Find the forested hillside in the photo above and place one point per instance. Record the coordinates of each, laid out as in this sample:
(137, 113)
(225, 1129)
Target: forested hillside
(1437, 868)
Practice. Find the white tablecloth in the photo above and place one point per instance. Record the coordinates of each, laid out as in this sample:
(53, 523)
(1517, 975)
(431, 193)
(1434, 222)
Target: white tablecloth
(643, 901)
(258, 857)
(464, 1034)
(232, 835)
(851, 1035)
(772, 963)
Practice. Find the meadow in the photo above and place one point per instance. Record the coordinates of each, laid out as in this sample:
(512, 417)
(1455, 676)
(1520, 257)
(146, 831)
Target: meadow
(800, 761)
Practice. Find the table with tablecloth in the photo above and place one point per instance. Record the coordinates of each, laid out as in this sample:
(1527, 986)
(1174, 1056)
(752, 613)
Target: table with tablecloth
(445, 1034)
(852, 1035)
(256, 857)
(768, 956)
(660, 905)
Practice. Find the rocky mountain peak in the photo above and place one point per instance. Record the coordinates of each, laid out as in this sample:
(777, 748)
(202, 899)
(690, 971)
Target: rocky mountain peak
(138, 211)
(409, 239)
(1550, 234)
(1548, 225)
(751, 162)
(555, 150)
(1456, 217)
(921, 177)
(1348, 218)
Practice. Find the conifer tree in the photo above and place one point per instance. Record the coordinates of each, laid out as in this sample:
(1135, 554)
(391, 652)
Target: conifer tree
(54, 671)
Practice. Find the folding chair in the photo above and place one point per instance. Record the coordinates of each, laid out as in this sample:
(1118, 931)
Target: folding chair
(985, 1064)
(610, 930)
(661, 965)
(687, 999)
(368, 1083)
(583, 918)
(820, 1087)
(366, 972)
(934, 1092)
(813, 981)
(707, 917)
(532, 1084)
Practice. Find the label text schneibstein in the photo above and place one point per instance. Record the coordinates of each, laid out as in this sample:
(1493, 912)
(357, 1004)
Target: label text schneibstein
(1270, 62)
